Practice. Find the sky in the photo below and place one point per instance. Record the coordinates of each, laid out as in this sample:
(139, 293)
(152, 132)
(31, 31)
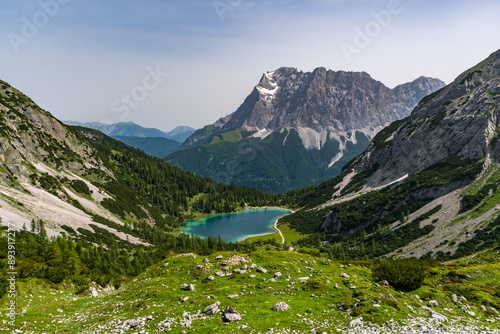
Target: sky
(162, 63)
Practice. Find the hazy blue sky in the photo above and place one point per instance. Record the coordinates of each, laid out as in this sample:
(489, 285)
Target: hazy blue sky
(91, 60)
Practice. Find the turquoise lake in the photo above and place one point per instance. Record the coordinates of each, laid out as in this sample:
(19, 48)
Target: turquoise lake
(235, 226)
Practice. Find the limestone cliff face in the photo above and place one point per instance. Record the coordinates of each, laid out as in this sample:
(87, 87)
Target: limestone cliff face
(461, 119)
(323, 104)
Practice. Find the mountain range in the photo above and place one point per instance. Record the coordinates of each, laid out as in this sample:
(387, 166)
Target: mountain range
(150, 140)
(298, 128)
(130, 129)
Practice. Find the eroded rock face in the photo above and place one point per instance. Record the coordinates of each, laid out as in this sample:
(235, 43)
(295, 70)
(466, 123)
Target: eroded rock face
(335, 101)
(461, 120)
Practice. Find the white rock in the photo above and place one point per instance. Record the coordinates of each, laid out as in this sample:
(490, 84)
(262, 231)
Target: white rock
(436, 316)
(356, 322)
(281, 306)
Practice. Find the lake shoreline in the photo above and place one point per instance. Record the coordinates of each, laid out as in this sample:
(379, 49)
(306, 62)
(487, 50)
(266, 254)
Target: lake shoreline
(248, 209)
(276, 230)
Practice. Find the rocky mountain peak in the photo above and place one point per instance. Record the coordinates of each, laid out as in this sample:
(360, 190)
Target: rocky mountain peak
(334, 102)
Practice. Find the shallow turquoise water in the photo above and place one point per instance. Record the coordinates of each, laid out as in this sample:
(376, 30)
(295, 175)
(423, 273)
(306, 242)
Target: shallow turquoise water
(235, 226)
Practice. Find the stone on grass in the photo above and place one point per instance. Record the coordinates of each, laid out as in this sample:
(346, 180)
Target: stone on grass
(93, 292)
(281, 306)
(231, 315)
(436, 316)
(212, 309)
(218, 257)
(356, 322)
(188, 287)
(433, 303)
(261, 270)
(344, 275)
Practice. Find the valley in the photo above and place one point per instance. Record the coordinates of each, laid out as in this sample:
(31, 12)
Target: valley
(404, 239)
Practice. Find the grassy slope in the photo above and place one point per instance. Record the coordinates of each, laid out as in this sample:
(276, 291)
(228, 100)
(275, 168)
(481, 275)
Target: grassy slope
(157, 293)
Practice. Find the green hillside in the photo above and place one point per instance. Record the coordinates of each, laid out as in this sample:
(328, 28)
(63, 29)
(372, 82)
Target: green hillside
(277, 163)
(323, 295)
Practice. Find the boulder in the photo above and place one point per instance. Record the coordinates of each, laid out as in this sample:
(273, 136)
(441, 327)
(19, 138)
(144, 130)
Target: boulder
(356, 322)
(93, 292)
(433, 303)
(261, 270)
(436, 316)
(281, 306)
(218, 257)
(212, 309)
(231, 315)
(344, 275)
(188, 287)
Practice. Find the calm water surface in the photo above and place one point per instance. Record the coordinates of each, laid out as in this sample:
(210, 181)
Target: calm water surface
(235, 226)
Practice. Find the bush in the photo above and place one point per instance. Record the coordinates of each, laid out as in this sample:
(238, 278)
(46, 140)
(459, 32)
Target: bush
(404, 274)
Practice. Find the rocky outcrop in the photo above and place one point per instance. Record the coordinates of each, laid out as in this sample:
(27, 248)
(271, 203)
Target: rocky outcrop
(459, 120)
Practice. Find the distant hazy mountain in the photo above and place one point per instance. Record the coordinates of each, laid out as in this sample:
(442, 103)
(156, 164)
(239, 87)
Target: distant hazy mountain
(155, 146)
(297, 128)
(130, 129)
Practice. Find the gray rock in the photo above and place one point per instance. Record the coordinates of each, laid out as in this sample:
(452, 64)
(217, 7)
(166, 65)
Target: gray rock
(205, 260)
(436, 316)
(433, 303)
(188, 287)
(212, 309)
(93, 292)
(277, 274)
(211, 278)
(218, 257)
(344, 275)
(231, 315)
(219, 273)
(454, 298)
(385, 283)
(281, 306)
(261, 270)
(356, 322)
